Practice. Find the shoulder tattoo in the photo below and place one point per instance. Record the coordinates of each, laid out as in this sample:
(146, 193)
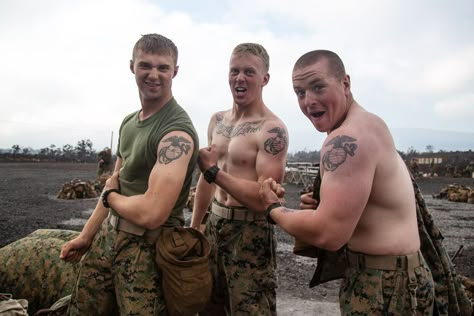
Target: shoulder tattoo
(342, 146)
(277, 143)
(230, 131)
(178, 145)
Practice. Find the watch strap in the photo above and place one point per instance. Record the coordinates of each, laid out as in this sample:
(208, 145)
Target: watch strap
(211, 173)
(269, 209)
(105, 195)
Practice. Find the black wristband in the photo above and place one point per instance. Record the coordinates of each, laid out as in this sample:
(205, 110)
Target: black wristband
(269, 210)
(105, 195)
(211, 173)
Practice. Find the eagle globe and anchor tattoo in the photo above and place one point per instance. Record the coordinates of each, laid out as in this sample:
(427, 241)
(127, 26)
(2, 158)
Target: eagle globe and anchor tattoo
(342, 146)
(178, 146)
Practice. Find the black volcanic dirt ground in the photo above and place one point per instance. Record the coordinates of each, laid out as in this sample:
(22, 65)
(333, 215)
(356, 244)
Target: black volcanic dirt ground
(28, 202)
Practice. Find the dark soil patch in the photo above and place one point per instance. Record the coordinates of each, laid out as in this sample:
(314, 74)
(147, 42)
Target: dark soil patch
(28, 203)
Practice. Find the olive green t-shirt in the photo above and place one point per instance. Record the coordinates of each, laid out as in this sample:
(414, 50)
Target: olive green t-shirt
(138, 149)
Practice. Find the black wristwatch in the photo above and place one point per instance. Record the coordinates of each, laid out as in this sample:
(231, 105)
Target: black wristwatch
(268, 211)
(211, 173)
(105, 195)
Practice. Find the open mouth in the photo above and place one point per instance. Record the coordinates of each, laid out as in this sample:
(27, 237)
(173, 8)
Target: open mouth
(317, 114)
(240, 90)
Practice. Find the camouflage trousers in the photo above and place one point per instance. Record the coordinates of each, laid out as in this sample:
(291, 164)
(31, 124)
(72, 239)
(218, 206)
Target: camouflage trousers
(118, 276)
(243, 265)
(382, 292)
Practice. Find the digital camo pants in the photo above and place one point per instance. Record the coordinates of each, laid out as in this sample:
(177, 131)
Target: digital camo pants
(243, 262)
(118, 276)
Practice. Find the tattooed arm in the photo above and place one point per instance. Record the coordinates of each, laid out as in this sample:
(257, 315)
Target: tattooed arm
(270, 162)
(348, 172)
(151, 209)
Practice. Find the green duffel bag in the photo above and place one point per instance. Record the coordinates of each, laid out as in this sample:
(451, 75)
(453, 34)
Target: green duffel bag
(30, 268)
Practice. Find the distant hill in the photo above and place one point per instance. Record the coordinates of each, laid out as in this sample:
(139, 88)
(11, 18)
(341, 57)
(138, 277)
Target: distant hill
(440, 140)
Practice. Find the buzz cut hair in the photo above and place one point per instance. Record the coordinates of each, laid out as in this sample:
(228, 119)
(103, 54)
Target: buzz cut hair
(156, 44)
(336, 66)
(254, 49)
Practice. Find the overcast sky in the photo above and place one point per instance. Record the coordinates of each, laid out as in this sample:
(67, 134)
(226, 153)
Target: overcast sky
(65, 77)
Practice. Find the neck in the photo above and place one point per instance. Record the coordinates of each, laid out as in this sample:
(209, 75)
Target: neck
(350, 102)
(254, 109)
(152, 106)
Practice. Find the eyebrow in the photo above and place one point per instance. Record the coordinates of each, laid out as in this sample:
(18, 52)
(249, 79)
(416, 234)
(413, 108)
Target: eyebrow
(145, 63)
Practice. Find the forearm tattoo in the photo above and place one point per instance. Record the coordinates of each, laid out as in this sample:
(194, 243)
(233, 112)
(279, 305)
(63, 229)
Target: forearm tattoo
(178, 145)
(342, 146)
(230, 131)
(278, 143)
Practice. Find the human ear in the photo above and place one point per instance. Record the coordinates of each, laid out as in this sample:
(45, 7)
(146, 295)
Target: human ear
(347, 83)
(131, 66)
(266, 79)
(175, 72)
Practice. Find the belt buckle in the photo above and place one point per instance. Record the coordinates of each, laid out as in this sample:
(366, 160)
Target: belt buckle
(114, 221)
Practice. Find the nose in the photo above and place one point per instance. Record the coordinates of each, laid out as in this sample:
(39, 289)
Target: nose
(239, 78)
(309, 99)
(153, 74)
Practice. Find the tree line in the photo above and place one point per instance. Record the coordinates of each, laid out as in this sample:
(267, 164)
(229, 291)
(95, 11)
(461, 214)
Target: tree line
(82, 152)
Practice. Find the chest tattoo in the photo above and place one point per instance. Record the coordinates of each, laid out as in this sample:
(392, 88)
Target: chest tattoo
(342, 146)
(230, 131)
(277, 143)
(176, 148)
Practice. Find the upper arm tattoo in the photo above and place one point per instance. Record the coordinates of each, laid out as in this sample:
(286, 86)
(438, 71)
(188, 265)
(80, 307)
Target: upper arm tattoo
(342, 146)
(178, 145)
(277, 143)
(230, 131)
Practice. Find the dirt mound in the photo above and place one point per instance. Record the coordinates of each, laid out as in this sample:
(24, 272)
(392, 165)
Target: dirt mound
(456, 193)
(77, 189)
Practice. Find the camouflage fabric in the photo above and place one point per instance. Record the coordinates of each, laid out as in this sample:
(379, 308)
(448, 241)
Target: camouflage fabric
(242, 260)
(381, 292)
(118, 273)
(30, 268)
(450, 297)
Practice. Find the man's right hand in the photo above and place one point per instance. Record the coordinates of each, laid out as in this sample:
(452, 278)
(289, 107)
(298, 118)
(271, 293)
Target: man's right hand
(73, 250)
(307, 202)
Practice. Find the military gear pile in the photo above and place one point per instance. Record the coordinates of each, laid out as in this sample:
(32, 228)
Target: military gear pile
(456, 193)
(77, 189)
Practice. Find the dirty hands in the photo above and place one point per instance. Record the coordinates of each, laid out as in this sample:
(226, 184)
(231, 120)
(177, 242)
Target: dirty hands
(207, 157)
(271, 192)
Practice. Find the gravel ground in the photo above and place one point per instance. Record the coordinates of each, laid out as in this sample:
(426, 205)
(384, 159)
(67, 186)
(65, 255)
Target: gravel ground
(28, 203)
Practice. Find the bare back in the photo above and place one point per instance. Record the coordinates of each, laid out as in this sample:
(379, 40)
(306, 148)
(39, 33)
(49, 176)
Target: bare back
(376, 181)
(251, 148)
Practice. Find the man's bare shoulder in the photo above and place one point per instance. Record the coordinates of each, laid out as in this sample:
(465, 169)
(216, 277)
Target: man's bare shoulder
(274, 134)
